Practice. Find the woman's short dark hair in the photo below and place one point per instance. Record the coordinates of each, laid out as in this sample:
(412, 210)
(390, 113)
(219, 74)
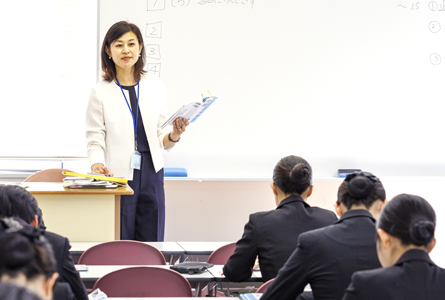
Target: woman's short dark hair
(293, 175)
(115, 32)
(360, 188)
(409, 218)
(24, 250)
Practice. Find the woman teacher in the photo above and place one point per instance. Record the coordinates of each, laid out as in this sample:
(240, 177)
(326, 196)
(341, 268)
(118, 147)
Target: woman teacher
(124, 135)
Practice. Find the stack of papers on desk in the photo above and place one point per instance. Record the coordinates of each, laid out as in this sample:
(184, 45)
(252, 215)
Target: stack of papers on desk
(87, 183)
(91, 181)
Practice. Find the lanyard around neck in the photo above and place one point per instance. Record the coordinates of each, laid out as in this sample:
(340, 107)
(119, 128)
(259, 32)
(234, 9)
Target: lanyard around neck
(135, 121)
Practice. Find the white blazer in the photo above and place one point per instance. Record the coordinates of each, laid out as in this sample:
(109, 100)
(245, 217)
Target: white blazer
(109, 124)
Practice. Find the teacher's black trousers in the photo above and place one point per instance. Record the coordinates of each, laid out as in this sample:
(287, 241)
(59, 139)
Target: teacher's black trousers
(143, 213)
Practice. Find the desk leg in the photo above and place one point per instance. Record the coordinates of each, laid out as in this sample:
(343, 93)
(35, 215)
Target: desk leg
(117, 217)
(198, 290)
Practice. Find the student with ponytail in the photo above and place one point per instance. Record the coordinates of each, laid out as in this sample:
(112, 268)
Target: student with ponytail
(272, 235)
(405, 237)
(327, 257)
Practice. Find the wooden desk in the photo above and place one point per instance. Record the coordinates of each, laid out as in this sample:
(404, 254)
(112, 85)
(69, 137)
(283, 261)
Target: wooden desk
(80, 214)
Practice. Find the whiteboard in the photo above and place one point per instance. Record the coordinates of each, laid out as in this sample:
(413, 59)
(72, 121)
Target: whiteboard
(342, 83)
(47, 77)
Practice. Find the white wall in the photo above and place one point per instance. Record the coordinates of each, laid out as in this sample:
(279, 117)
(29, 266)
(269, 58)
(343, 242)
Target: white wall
(218, 210)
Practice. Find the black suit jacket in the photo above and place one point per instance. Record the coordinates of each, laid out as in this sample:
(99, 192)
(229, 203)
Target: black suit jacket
(273, 236)
(63, 291)
(327, 257)
(65, 264)
(414, 276)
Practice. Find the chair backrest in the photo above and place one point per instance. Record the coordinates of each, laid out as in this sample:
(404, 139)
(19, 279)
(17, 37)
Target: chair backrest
(222, 254)
(48, 175)
(122, 253)
(144, 282)
(264, 286)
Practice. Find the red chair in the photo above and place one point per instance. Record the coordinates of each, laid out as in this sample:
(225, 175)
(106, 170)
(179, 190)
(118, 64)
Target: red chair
(123, 252)
(264, 286)
(48, 175)
(144, 282)
(221, 255)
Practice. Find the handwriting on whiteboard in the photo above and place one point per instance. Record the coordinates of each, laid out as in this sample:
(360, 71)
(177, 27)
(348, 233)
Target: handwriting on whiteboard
(242, 2)
(432, 5)
(434, 26)
(435, 6)
(153, 5)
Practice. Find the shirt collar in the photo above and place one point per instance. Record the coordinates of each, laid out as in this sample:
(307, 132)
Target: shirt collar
(414, 254)
(355, 213)
(293, 198)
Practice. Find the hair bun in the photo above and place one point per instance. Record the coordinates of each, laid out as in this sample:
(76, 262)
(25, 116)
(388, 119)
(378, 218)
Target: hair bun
(360, 187)
(421, 232)
(300, 174)
(16, 251)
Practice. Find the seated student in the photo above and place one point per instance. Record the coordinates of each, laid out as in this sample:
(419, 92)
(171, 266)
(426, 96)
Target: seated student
(26, 258)
(18, 202)
(405, 237)
(326, 258)
(272, 235)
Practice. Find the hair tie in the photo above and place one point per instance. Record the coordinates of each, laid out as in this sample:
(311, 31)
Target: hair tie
(12, 225)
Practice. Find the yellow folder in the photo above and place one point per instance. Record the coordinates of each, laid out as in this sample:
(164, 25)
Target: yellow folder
(98, 177)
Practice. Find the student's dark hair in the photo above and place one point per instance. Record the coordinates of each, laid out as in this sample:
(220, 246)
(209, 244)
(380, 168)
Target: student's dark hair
(41, 223)
(293, 175)
(24, 250)
(360, 188)
(409, 218)
(10, 291)
(115, 32)
(16, 201)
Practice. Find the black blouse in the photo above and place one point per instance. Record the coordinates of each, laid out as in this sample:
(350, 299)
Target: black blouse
(141, 135)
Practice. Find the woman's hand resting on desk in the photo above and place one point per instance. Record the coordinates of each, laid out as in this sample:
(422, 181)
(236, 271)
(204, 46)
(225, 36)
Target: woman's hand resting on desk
(101, 169)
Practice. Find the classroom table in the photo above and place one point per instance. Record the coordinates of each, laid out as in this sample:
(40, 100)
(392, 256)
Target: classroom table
(171, 249)
(201, 248)
(166, 248)
(95, 272)
(217, 272)
(80, 214)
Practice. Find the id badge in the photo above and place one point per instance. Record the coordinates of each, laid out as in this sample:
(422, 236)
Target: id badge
(136, 160)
